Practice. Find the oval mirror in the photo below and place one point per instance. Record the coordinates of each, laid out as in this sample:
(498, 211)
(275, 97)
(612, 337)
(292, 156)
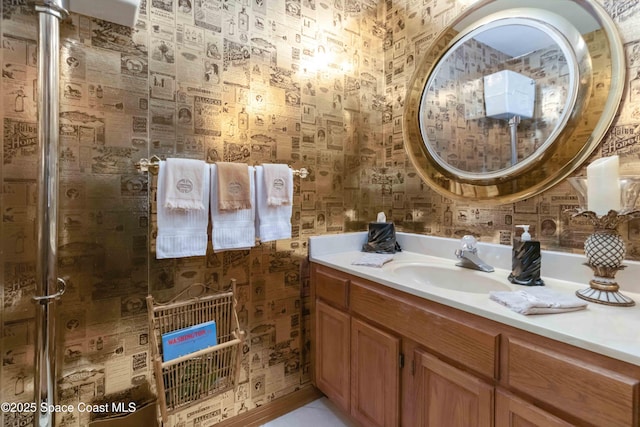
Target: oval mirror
(510, 100)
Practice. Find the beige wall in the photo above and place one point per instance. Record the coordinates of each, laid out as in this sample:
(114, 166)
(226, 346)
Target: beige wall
(319, 92)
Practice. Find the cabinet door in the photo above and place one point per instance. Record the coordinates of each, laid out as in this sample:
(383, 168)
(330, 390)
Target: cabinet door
(375, 375)
(332, 354)
(447, 396)
(514, 412)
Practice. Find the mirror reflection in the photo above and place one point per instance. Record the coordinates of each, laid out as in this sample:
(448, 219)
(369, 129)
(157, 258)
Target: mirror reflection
(512, 96)
(491, 103)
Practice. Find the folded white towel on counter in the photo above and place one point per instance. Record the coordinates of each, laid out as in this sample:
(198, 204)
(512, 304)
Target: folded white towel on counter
(272, 222)
(538, 300)
(278, 181)
(232, 229)
(184, 184)
(181, 232)
(371, 259)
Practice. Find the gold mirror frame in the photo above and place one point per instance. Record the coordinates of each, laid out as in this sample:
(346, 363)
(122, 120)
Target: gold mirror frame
(599, 92)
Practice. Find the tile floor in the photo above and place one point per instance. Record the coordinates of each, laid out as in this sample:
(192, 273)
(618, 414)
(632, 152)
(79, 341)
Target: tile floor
(319, 413)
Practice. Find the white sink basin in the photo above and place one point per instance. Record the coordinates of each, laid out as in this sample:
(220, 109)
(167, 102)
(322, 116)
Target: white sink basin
(451, 277)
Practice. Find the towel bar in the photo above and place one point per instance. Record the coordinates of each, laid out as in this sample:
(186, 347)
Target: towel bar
(151, 165)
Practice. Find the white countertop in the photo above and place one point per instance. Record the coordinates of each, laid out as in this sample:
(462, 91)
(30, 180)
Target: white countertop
(611, 331)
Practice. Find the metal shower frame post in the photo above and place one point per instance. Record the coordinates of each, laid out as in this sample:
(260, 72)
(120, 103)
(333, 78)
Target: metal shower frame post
(48, 286)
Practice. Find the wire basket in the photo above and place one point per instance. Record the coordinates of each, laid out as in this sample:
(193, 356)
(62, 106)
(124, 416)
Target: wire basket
(186, 380)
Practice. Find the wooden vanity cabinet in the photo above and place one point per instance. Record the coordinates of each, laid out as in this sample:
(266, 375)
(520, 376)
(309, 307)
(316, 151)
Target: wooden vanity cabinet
(459, 369)
(356, 363)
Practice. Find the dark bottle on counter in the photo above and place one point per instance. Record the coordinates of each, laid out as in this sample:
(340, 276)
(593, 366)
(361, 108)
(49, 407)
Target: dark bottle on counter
(526, 260)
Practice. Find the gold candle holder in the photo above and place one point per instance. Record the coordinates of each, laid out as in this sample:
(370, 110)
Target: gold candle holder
(605, 249)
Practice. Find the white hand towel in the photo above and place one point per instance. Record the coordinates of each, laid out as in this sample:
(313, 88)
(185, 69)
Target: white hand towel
(538, 300)
(183, 184)
(278, 184)
(181, 233)
(272, 222)
(373, 259)
(232, 229)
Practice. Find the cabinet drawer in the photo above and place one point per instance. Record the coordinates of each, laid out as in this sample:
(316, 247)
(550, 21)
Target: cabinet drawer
(590, 392)
(332, 287)
(460, 341)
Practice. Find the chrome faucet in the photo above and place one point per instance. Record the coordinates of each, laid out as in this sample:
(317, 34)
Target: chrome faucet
(468, 255)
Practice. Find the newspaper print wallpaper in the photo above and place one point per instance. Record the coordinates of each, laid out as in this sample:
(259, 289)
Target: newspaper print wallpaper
(297, 82)
(318, 84)
(391, 182)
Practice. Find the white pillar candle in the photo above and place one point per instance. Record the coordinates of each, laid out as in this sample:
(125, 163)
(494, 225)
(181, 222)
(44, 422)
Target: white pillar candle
(603, 185)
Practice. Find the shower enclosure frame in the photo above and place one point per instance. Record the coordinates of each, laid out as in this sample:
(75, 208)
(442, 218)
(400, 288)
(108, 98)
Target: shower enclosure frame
(49, 286)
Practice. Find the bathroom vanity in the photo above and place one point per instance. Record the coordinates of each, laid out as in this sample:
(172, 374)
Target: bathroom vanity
(393, 350)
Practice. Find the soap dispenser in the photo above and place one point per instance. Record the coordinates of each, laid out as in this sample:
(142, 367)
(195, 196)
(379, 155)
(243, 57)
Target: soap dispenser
(526, 260)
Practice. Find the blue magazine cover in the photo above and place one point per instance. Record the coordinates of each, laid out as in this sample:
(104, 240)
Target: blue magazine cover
(188, 340)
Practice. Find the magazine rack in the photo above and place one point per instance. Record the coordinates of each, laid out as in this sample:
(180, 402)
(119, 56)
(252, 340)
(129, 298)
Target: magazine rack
(188, 379)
